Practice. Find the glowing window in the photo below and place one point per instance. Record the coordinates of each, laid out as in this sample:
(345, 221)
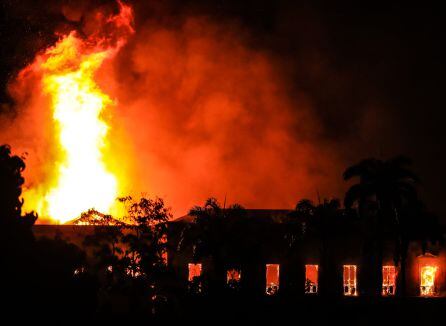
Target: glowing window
(350, 280)
(194, 278)
(311, 278)
(272, 278)
(389, 280)
(233, 277)
(194, 271)
(427, 280)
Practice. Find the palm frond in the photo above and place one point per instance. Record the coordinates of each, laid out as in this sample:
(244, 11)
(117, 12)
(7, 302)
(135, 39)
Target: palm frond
(360, 169)
(354, 194)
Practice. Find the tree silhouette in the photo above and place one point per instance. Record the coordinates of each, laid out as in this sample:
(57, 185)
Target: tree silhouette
(16, 237)
(129, 255)
(147, 243)
(213, 235)
(323, 221)
(105, 241)
(58, 267)
(300, 219)
(11, 182)
(383, 190)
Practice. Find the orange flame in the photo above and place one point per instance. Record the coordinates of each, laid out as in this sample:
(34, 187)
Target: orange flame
(82, 179)
(184, 128)
(427, 285)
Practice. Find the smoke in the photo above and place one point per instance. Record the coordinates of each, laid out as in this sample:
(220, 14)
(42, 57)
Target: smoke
(201, 111)
(207, 115)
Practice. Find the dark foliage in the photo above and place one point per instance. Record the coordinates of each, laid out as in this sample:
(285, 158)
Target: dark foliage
(126, 271)
(216, 234)
(16, 238)
(128, 257)
(388, 202)
(39, 270)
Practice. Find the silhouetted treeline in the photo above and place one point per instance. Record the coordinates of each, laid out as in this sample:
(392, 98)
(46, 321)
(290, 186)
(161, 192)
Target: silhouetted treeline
(126, 270)
(124, 275)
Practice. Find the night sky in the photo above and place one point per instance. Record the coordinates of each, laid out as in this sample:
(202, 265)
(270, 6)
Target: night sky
(373, 70)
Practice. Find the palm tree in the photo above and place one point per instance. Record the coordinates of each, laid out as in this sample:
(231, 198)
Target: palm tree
(323, 221)
(328, 216)
(300, 219)
(384, 189)
(213, 235)
(299, 224)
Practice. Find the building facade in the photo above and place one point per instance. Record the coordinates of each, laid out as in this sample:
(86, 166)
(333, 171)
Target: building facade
(264, 255)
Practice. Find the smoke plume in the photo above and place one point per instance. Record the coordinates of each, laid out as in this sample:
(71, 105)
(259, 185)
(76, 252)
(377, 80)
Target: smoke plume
(199, 112)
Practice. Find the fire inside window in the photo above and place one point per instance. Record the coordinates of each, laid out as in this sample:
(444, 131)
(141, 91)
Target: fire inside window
(350, 288)
(311, 278)
(427, 280)
(233, 278)
(389, 280)
(272, 278)
(194, 278)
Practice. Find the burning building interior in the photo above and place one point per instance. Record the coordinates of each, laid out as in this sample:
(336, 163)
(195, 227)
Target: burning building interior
(277, 264)
(126, 114)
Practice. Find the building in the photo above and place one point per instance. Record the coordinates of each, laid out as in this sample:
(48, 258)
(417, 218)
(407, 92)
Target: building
(260, 256)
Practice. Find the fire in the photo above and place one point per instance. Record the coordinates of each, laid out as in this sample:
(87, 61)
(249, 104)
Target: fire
(171, 100)
(427, 286)
(82, 179)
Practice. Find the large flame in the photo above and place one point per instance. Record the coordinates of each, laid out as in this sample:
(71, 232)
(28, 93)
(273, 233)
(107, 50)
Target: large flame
(427, 286)
(183, 129)
(82, 179)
